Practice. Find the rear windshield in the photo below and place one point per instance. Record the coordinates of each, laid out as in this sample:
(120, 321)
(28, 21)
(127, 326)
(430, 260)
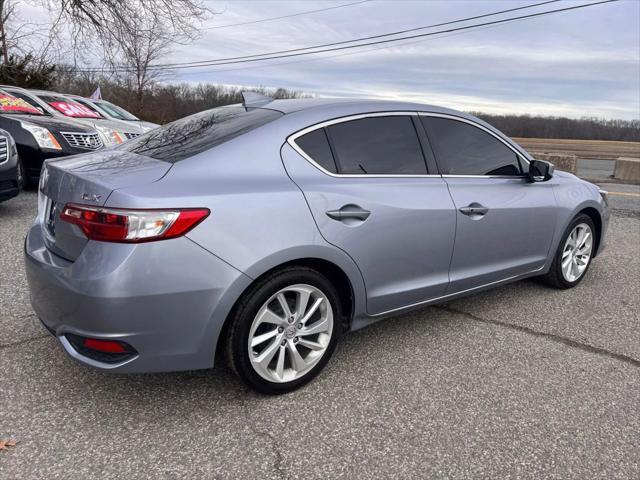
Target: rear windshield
(194, 134)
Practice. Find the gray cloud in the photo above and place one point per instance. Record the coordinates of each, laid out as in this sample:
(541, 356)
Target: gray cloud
(580, 63)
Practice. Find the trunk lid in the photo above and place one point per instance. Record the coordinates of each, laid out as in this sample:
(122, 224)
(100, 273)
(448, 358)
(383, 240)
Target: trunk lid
(88, 180)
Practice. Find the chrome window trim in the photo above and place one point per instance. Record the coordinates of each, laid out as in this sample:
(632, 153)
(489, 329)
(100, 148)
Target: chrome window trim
(481, 127)
(447, 175)
(291, 140)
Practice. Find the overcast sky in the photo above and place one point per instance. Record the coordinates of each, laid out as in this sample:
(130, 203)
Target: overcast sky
(578, 63)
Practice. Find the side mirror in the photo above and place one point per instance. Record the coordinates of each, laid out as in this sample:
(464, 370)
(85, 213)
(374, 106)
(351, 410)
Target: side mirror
(540, 171)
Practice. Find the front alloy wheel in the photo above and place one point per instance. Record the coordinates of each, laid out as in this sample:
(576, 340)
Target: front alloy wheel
(577, 252)
(573, 255)
(284, 330)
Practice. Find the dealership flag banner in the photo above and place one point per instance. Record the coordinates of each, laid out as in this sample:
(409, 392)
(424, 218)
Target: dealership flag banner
(97, 95)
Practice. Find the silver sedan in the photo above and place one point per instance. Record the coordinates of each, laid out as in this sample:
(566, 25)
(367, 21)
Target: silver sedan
(264, 231)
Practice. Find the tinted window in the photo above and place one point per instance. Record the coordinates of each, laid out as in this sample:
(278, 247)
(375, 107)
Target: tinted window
(462, 149)
(316, 145)
(378, 145)
(196, 133)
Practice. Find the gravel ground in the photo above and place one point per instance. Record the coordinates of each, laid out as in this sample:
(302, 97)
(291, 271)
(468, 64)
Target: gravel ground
(519, 382)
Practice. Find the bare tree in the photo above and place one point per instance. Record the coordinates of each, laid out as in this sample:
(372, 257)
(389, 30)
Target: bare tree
(23, 39)
(6, 12)
(109, 22)
(137, 50)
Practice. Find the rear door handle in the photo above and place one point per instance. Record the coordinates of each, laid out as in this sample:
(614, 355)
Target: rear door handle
(354, 212)
(474, 209)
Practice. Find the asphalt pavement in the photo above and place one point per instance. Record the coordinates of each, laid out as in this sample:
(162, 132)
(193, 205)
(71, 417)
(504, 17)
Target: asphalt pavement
(519, 382)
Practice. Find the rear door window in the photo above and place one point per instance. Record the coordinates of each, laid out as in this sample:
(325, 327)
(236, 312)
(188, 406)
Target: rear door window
(316, 145)
(196, 133)
(377, 145)
(463, 149)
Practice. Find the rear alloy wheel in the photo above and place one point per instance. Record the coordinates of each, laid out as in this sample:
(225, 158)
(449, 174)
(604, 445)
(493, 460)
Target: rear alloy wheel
(285, 330)
(574, 254)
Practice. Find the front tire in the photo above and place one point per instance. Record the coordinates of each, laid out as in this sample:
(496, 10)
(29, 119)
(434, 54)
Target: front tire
(21, 176)
(574, 254)
(284, 330)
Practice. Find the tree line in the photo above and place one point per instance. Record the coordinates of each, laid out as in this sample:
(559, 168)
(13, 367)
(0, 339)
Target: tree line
(129, 38)
(163, 102)
(586, 128)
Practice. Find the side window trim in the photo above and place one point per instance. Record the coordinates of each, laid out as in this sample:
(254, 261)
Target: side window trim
(425, 144)
(519, 156)
(291, 140)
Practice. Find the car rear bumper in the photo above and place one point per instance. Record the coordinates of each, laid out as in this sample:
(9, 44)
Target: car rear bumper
(168, 300)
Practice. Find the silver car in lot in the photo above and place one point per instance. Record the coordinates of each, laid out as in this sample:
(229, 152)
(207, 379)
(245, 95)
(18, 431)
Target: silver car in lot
(264, 231)
(114, 112)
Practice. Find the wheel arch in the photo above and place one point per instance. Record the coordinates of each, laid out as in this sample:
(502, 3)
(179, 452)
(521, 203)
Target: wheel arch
(343, 273)
(596, 218)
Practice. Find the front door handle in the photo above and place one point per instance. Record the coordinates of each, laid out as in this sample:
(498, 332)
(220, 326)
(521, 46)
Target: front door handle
(347, 212)
(474, 210)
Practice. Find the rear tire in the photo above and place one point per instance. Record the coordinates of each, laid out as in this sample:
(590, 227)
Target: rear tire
(573, 256)
(23, 179)
(284, 330)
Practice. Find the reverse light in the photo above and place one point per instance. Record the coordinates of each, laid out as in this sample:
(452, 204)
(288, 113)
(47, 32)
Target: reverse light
(132, 226)
(43, 137)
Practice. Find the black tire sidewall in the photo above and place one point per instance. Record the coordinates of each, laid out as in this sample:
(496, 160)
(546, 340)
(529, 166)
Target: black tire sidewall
(21, 175)
(582, 218)
(247, 310)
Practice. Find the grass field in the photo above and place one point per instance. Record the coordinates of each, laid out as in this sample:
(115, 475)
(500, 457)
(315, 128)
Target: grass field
(589, 149)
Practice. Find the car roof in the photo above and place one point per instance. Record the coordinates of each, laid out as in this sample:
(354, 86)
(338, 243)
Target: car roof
(13, 87)
(45, 92)
(299, 104)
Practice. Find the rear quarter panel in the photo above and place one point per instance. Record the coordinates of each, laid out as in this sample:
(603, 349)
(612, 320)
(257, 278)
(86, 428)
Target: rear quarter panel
(259, 218)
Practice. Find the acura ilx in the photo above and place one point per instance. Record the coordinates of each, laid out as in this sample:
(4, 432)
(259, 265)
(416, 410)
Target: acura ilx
(265, 231)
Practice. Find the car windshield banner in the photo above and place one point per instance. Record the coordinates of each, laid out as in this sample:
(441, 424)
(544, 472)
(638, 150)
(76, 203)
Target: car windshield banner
(9, 104)
(73, 109)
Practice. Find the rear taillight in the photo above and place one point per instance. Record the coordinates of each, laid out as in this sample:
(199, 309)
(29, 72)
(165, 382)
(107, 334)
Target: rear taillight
(132, 226)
